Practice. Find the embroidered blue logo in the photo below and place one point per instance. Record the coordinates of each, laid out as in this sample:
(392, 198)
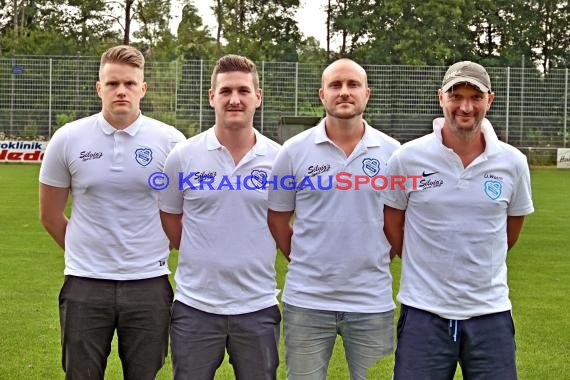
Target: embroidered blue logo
(258, 178)
(493, 189)
(370, 166)
(143, 156)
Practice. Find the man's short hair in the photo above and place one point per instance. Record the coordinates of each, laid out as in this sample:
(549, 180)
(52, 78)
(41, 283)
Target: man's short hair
(231, 62)
(123, 54)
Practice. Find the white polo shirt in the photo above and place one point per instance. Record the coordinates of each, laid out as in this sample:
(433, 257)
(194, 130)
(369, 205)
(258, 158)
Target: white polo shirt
(114, 231)
(227, 254)
(455, 240)
(339, 254)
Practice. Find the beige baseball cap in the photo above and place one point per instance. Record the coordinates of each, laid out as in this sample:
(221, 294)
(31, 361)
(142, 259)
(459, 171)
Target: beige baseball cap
(467, 72)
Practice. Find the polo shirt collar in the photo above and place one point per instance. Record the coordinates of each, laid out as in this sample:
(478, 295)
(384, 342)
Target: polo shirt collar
(491, 139)
(108, 129)
(368, 140)
(259, 149)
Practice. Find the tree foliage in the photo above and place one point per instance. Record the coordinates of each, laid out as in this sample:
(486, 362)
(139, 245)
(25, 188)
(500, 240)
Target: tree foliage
(439, 32)
(349, 22)
(260, 29)
(427, 32)
(154, 19)
(194, 39)
(547, 37)
(64, 27)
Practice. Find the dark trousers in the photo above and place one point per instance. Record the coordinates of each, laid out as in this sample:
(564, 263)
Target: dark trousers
(91, 310)
(199, 341)
(429, 347)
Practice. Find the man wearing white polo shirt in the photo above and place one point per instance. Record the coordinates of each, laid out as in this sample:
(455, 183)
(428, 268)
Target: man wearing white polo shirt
(453, 232)
(116, 272)
(215, 213)
(338, 281)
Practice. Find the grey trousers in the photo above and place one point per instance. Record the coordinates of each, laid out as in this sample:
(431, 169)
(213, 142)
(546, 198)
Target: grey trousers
(199, 341)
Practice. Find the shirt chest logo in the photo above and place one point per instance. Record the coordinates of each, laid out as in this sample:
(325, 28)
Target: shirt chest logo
(427, 181)
(493, 189)
(317, 169)
(371, 166)
(143, 156)
(258, 178)
(492, 185)
(89, 155)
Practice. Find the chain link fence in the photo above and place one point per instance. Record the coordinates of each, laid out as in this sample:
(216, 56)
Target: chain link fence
(40, 94)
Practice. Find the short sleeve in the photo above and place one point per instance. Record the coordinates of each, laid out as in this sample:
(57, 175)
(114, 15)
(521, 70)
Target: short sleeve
(171, 198)
(395, 197)
(54, 170)
(521, 201)
(282, 196)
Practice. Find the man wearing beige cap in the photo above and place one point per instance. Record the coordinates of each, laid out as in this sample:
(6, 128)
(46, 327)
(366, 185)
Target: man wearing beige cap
(453, 231)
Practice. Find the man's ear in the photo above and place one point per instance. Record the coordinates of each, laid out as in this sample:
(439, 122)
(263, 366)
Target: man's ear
(211, 95)
(440, 97)
(144, 88)
(322, 95)
(491, 98)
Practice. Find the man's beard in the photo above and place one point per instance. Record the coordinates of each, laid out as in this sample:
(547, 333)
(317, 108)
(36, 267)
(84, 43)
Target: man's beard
(345, 115)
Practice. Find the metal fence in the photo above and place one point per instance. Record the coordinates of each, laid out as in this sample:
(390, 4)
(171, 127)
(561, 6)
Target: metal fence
(39, 94)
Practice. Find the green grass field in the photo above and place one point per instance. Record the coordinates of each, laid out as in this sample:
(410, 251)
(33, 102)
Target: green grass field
(31, 273)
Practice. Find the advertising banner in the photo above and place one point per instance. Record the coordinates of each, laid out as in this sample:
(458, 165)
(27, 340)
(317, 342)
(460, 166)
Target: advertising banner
(22, 151)
(563, 158)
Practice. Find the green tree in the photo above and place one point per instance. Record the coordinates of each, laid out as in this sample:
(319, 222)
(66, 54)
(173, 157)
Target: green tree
(543, 27)
(37, 42)
(311, 52)
(124, 18)
(349, 22)
(194, 39)
(55, 26)
(259, 29)
(17, 16)
(431, 32)
(85, 21)
(150, 16)
(382, 24)
(489, 27)
(505, 30)
(153, 17)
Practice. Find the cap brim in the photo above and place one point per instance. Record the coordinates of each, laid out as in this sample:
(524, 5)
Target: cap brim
(474, 82)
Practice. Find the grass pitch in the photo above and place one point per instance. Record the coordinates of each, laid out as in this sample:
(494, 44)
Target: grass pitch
(31, 273)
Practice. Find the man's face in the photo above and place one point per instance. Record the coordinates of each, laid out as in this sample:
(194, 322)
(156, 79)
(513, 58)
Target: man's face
(344, 92)
(121, 88)
(464, 108)
(234, 99)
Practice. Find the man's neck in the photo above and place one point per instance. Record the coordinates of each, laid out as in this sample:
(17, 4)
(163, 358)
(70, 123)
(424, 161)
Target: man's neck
(120, 123)
(237, 141)
(345, 133)
(467, 147)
